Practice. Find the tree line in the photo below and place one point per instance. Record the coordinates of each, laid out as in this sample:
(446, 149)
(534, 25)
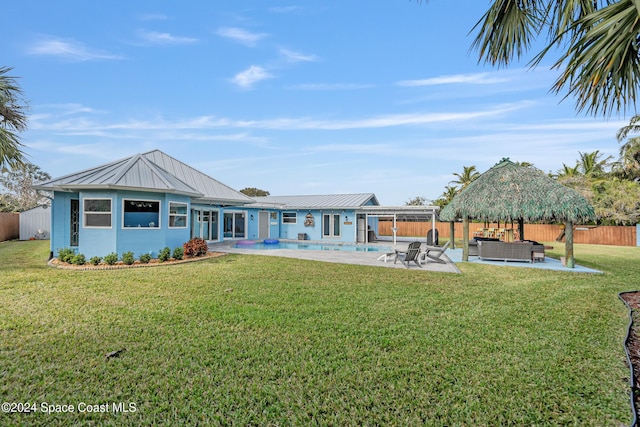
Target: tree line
(612, 186)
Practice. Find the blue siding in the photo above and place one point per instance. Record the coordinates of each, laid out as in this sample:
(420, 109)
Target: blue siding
(61, 221)
(117, 238)
(132, 234)
(312, 229)
(98, 241)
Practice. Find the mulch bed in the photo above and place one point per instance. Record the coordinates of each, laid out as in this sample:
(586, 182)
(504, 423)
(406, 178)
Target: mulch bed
(633, 343)
(55, 262)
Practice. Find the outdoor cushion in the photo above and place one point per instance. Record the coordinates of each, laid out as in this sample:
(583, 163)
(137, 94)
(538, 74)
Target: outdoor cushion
(505, 251)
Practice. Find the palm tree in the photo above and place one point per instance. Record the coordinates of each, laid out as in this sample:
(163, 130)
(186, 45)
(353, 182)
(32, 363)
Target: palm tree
(13, 119)
(590, 164)
(600, 65)
(446, 197)
(468, 175)
(568, 172)
(630, 150)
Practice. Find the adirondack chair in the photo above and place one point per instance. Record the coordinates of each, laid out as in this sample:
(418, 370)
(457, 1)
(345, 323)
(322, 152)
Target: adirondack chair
(435, 252)
(411, 254)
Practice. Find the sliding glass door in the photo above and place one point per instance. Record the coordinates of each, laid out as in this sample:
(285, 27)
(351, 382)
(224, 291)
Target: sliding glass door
(234, 226)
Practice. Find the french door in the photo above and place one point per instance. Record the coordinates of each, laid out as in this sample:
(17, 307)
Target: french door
(205, 224)
(330, 226)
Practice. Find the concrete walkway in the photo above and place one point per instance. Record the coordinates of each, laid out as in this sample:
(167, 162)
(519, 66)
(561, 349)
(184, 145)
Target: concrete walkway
(338, 256)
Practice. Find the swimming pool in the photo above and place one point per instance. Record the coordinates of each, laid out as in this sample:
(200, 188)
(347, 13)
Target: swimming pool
(312, 246)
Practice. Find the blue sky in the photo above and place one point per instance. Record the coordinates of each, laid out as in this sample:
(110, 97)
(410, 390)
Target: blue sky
(292, 97)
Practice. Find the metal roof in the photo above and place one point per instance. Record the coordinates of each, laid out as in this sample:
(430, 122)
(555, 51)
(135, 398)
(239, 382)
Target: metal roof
(153, 171)
(327, 201)
(403, 213)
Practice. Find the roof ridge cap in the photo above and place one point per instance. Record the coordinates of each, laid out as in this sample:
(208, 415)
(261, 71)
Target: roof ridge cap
(126, 167)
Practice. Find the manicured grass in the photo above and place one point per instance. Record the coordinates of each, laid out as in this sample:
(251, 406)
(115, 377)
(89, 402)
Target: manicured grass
(249, 340)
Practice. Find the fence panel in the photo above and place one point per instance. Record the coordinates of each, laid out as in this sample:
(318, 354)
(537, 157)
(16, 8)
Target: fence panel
(600, 235)
(9, 226)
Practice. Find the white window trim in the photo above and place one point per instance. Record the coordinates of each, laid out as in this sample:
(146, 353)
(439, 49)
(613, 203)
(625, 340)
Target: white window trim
(185, 215)
(84, 213)
(295, 218)
(159, 202)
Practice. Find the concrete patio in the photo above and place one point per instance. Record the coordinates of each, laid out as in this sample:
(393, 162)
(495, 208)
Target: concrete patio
(342, 257)
(451, 257)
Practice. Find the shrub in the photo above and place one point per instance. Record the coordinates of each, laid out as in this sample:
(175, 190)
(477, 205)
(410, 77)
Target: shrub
(128, 258)
(195, 247)
(66, 254)
(164, 254)
(78, 259)
(178, 252)
(95, 260)
(145, 258)
(111, 259)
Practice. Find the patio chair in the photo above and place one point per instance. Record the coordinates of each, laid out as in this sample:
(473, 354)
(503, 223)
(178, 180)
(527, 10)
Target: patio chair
(435, 252)
(411, 254)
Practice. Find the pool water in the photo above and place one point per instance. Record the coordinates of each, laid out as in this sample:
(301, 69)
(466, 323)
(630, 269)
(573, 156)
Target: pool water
(313, 247)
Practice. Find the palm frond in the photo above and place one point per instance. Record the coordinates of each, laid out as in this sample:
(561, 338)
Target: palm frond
(602, 63)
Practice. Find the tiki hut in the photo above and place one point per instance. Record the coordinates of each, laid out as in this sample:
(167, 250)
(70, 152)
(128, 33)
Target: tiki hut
(509, 192)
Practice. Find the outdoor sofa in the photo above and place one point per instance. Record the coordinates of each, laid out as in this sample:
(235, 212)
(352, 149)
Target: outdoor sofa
(512, 251)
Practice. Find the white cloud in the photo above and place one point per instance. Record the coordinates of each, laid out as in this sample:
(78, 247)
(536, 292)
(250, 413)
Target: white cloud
(165, 38)
(292, 56)
(252, 75)
(68, 49)
(478, 79)
(241, 36)
(330, 86)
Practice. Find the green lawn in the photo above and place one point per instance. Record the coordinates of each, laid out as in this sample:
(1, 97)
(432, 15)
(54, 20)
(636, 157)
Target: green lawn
(248, 340)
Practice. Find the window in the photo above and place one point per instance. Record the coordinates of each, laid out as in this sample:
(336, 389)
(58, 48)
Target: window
(141, 213)
(177, 215)
(97, 212)
(289, 218)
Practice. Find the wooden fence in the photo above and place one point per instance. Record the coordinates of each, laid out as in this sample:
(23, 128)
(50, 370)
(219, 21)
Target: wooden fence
(9, 226)
(600, 235)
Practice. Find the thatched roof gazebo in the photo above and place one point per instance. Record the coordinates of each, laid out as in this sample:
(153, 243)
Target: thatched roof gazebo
(509, 192)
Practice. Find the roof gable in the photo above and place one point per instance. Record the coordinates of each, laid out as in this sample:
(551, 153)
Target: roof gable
(211, 189)
(154, 171)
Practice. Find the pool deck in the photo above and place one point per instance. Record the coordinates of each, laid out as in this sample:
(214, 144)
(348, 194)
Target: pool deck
(451, 257)
(341, 257)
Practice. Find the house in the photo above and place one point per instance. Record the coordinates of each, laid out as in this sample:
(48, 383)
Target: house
(141, 204)
(149, 201)
(334, 217)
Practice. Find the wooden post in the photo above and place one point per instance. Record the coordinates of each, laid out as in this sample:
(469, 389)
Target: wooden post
(465, 238)
(521, 228)
(568, 246)
(452, 234)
